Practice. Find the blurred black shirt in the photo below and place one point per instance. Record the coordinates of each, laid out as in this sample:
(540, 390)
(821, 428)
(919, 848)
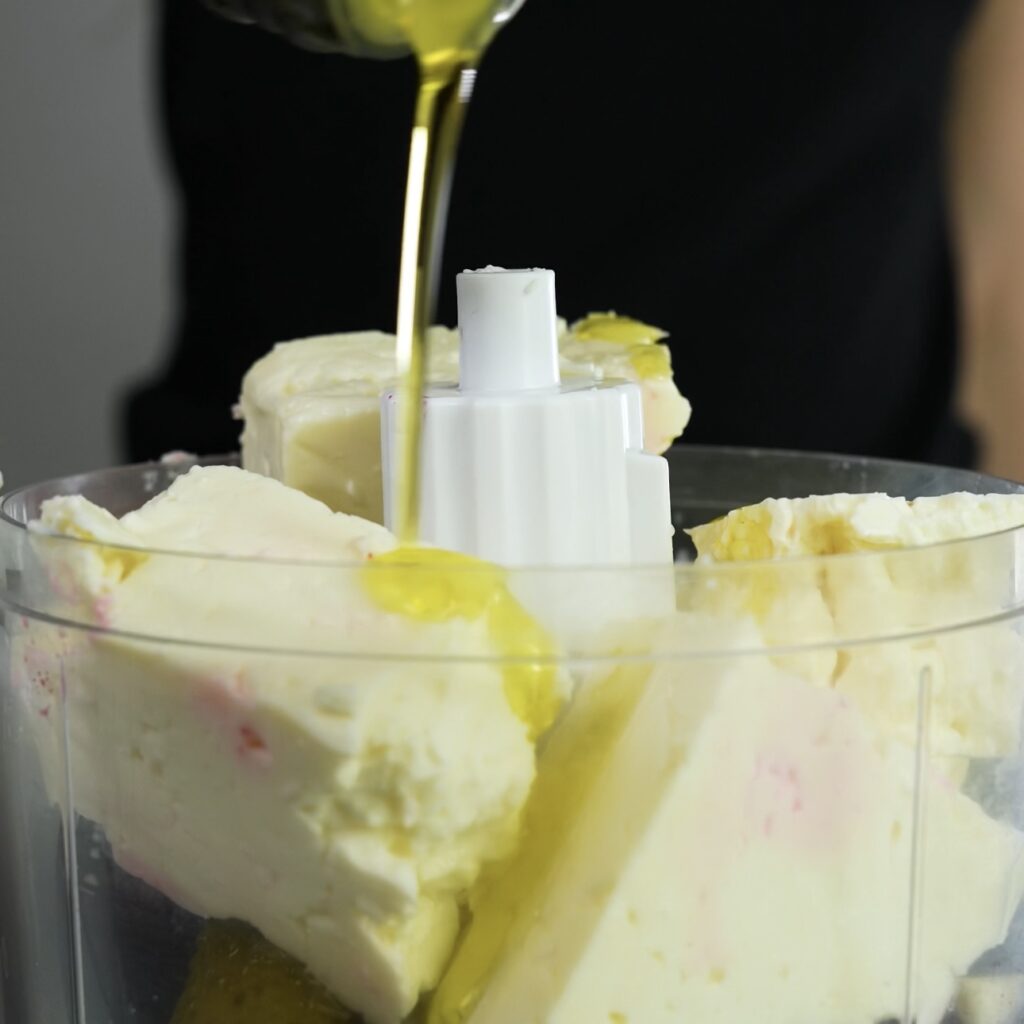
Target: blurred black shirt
(763, 180)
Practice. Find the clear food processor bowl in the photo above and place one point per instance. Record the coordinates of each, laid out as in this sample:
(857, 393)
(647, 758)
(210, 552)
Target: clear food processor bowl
(781, 792)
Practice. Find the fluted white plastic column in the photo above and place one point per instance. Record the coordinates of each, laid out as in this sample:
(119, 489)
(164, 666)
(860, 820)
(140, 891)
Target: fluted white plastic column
(519, 468)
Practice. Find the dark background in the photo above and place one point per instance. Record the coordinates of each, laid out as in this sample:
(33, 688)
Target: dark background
(762, 180)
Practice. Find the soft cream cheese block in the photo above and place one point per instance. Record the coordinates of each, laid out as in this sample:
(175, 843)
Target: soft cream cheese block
(831, 524)
(975, 676)
(742, 850)
(340, 804)
(312, 415)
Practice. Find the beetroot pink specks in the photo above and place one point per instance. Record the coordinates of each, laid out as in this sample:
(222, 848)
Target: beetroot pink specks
(251, 739)
(225, 702)
(775, 790)
(62, 583)
(102, 609)
(252, 746)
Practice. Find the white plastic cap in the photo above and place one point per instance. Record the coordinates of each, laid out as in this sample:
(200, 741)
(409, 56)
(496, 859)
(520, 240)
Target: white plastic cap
(519, 469)
(509, 330)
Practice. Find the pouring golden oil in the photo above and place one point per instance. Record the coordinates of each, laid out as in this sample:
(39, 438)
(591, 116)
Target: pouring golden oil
(448, 38)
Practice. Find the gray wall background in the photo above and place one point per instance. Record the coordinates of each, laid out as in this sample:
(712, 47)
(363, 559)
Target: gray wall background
(85, 229)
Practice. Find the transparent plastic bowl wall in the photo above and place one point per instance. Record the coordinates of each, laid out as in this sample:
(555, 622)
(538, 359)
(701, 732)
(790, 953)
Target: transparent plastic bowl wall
(785, 792)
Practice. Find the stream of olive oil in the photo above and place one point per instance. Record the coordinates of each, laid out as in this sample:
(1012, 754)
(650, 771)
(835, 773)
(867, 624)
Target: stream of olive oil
(448, 38)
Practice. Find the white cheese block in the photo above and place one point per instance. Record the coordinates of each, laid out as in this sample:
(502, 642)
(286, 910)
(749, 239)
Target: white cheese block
(342, 805)
(312, 407)
(976, 676)
(743, 852)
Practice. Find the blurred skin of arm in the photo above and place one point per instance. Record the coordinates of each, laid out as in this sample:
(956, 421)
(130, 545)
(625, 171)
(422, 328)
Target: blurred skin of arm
(986, 152)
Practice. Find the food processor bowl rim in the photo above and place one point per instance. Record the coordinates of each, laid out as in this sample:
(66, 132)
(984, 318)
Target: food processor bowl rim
(562, 659)
(694, 567)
